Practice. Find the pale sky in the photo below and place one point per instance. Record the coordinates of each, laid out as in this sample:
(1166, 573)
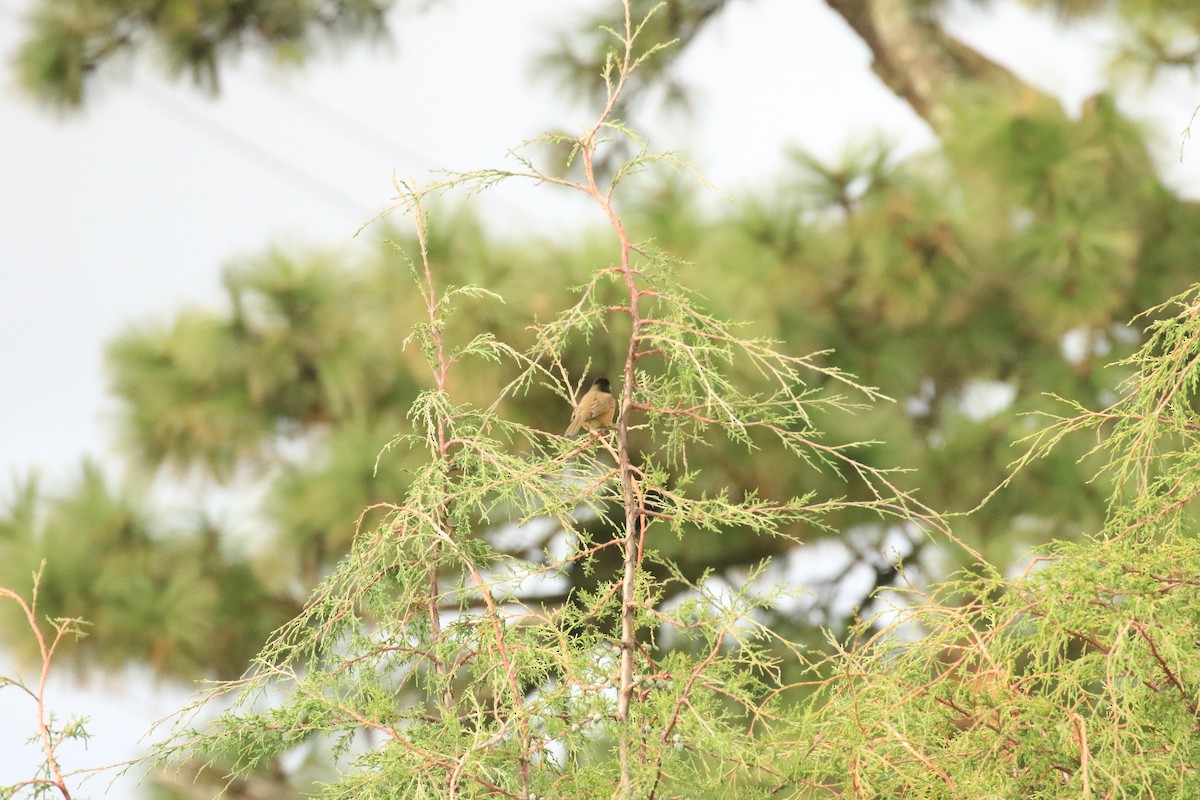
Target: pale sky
(127, 213)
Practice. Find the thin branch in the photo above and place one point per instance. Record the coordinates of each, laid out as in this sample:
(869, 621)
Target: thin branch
(48, 739)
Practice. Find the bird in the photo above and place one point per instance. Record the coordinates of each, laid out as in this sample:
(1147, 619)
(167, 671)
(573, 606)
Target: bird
(595, 410)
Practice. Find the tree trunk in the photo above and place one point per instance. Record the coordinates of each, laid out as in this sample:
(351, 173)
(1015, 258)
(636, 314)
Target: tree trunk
(926, 66)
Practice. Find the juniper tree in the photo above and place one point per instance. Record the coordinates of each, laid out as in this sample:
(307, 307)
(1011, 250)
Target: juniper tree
(1076, 678)
(425, 661)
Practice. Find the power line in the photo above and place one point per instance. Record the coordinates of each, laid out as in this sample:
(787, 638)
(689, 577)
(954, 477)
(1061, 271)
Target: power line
(364, 133)
(233, 140)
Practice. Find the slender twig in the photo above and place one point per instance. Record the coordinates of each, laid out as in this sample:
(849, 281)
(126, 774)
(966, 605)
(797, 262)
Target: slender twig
(629, 493)
(46, 737)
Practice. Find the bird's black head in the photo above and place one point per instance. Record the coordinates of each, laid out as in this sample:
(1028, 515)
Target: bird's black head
(603, 385)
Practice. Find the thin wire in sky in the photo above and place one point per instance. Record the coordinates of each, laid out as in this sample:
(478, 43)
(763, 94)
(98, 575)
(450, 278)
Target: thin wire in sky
(233, 140)
(352, 126)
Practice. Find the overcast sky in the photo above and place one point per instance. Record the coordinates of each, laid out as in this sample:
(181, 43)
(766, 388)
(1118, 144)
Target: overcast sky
(128, 212)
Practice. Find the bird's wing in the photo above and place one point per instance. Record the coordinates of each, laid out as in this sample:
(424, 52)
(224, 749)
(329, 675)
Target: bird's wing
(603, 408)
(576, 421)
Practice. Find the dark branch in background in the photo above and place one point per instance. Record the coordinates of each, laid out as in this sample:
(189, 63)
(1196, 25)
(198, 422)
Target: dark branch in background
(925, 66)
(912, 55)
(831, 593)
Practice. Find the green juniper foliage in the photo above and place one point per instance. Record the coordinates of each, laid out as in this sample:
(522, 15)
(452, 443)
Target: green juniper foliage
(1079, 678)
(426, 672)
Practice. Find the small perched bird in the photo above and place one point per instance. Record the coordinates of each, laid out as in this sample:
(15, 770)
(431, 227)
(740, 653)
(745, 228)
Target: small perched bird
(595, 409)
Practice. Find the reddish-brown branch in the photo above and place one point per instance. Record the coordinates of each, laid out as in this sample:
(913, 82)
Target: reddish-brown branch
(499, 630)
(679, 706)
(442, 525)
(45, 735)
(628, 479)
(1172, 678)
